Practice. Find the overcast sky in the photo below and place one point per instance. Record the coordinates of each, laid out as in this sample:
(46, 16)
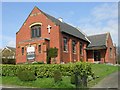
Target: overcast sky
(92, 18)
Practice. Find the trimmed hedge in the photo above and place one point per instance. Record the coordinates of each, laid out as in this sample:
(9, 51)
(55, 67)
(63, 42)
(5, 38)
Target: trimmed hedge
(47, 70)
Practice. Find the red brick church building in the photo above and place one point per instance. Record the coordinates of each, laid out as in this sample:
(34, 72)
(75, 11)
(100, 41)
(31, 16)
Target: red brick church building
(41, 31)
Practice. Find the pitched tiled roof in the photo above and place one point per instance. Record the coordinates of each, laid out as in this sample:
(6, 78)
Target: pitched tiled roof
(97, 41)
(66, 28)
(11, 48)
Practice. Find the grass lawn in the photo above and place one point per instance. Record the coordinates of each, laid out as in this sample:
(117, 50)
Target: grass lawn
(39, 83)
(100, 70)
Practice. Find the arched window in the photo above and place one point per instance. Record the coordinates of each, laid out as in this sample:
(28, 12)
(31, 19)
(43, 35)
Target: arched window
(36, 31)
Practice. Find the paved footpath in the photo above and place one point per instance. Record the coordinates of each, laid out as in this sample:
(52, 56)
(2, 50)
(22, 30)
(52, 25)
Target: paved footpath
(110, 81)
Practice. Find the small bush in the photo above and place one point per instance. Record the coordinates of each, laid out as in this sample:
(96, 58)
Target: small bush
(57, 76)
(81, 60)
(73, 79)
(26, 75)
(51, 53)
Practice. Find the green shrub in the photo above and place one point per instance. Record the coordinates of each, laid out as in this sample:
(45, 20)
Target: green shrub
(81, 73)
(51, 53)
(57, 76)
(81, 60)
(26, 75)
(72, 79)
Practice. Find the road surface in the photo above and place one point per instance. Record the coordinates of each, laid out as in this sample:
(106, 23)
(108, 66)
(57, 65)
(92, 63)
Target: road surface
(110, 81)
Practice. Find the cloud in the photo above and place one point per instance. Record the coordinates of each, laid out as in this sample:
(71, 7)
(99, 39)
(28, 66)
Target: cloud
(0, 41)
(105, 11)
(8, 41)
(11, 44)
(102, 19)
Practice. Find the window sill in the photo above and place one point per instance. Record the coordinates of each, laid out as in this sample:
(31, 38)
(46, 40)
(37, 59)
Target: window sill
(74, 53)
(65, 51)
(35, 37)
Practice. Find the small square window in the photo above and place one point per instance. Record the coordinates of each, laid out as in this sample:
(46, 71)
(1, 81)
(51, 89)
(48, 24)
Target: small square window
(111, 52)
(22, 50)
(39, 48)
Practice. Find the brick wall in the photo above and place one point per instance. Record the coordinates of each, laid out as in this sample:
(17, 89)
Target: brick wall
(90, 57)
(69, 56)
(110, 56)
(24, 34)
(47, 40)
